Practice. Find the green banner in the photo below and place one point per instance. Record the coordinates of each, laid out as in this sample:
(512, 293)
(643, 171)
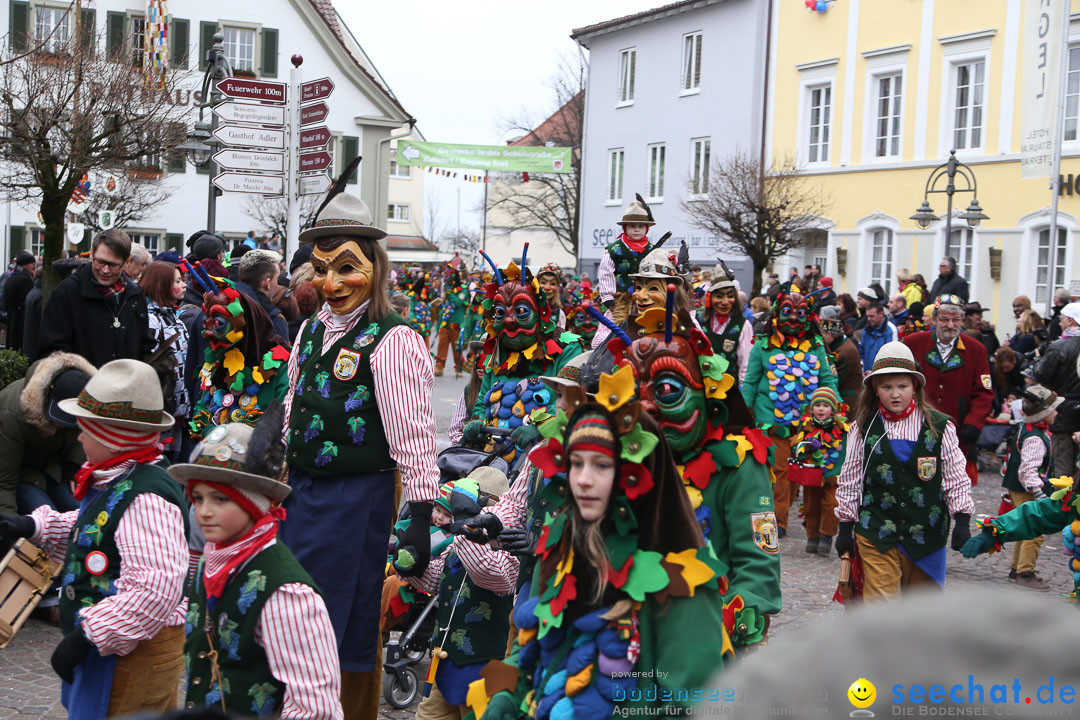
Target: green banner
(497, 158)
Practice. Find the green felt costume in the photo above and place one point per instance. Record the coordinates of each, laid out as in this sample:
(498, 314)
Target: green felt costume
(455, 303)
(769, 356)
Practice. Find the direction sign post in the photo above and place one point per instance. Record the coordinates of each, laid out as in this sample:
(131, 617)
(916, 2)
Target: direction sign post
(256, 113)
(251, 160)
(315, 161)
(313, 113)
(250, 183)
(315, 137)
(251, 137)
(261, 90)
(314, 184)
(316, 90)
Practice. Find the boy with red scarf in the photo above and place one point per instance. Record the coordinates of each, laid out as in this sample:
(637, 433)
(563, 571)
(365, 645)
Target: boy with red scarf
(259, 638)
(621, 260)
(124, 552)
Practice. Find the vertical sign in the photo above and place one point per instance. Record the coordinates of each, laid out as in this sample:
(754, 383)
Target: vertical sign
(1040, 95)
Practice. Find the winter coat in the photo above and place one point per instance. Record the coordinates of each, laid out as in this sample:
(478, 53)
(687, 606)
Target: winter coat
(32, 449)
(164, 324)
(32, 320)
(849, 371)
(872, 339)
(17, 287)
(281, 325)
(959, 386)
(1057, 371)
(912, 293)
(951, 284)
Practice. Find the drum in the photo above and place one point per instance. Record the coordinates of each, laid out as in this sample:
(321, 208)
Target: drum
(26, 573)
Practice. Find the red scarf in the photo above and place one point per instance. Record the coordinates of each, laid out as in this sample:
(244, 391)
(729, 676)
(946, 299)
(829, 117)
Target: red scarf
(84, 476)
(635, 245)
(896, 417)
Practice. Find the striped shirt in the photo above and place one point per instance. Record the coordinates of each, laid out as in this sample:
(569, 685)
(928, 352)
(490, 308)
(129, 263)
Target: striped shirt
(605, 280)
(746, 341)
(457, 422)
(955, 484)
(1032, 454)
(153, 566)
(404, 380)
(491, 569)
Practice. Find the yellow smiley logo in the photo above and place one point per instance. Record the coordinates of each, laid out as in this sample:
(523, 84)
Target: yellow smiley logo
(862, 693)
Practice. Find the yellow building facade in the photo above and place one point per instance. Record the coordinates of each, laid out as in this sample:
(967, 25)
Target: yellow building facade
(872, 95)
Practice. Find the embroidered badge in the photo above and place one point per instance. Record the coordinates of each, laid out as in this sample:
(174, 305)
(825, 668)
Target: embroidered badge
(985, 381)
(346, 365)
(97, 563)
(217, 434)
(729, 345)
(223, 453)
(765, 535)
(927, 468)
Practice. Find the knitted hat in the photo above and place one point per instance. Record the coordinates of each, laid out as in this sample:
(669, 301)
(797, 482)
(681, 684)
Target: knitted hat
(826, 282)
(870, 294)
(1038, 402)
(893, 358)
(826, 395)
(591, 431)
(443, 500)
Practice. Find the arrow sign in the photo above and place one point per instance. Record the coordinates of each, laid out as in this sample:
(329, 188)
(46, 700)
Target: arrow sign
(252, 137)
(251, 160)
(314, 184)
(316, 89)
(310, 114)
(411, 153)
(251, 113)
(315, 161)
(261, 90)
(254, 184)
(314, 137)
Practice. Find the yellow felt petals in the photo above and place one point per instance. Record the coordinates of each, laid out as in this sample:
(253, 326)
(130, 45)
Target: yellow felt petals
(718, 389)
(235, 336)
(234, 361)
(257, 376)
(580, 681)
(531, 351)
(512, 272)
(653, 319)
(694, 572)
(694, 494)
(1061, 483)
(564, 567)
(526, 635)
(616, 389)
(477, 697)
(804, 346)
(741, 446)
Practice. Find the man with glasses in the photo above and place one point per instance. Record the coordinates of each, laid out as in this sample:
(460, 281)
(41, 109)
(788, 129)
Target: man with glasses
(949, 283)
(98, 312)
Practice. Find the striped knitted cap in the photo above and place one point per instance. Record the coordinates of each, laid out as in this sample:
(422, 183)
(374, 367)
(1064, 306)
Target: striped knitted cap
(826, 395)
(591, 432)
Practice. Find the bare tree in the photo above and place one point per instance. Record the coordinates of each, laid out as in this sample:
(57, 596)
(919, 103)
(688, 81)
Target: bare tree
(272, 213)
(465, 242)
(548, 201)
(133, 196)
(66, 111)
(760, 216)
(434, 225)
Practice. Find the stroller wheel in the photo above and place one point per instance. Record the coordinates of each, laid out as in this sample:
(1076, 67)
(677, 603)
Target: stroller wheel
(395, 693)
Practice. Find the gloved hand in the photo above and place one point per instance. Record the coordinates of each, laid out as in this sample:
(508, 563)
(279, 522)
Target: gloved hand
(482, 528)
(416, 537)
(978, 544)
(13, 527)
(518, 541)
(503, 706)
(69, 654)
(525, 436)
(961, 532)
(845, 539)
(749, 627)
(473, 433)
(968, 435)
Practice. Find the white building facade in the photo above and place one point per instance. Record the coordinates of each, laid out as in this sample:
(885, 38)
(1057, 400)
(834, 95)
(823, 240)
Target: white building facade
(669, 91)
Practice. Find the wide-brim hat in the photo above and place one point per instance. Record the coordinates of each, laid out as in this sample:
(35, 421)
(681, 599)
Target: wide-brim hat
(222, 457)
(569, 375)
(125, 393)
(658, 264)
(894, 358)
(1038, 396)
(491, 481)
(636, 212)
(345, 214)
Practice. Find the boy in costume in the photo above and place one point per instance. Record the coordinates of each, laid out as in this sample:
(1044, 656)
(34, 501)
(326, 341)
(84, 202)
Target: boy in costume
(819, 448)
(259, 638)
(724, 323)
(451, 320)
(621, 259)
(579, 320)
(123, 552)
(360, 407)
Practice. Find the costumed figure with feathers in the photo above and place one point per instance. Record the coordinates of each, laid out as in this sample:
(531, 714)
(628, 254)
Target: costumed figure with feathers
(578, 318)
(418, 289)
(725, 325)
(621, 259)
(474, 329)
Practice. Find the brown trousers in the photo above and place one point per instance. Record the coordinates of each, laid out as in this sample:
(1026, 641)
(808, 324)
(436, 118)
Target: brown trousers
(435, 707)
(1025, 552)
(818, 507)
(448, 337)
(783, 490)
(147, 678)
(889, 574)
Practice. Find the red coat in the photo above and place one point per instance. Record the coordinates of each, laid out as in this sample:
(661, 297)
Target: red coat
(960, 387)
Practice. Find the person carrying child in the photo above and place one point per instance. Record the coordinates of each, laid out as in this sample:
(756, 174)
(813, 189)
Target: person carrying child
(819, 447)
(903, 476)
(621, 259)
(123, 552)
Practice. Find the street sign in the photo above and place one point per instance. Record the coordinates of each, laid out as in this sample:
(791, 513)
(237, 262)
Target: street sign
(251, 137)
(315, 161)
(256, 113)
(314, 184)
(261, 90)
(256, 160)
(254, 184)
(497, 158)
(310, 114)
(316, 90)
(315, 137)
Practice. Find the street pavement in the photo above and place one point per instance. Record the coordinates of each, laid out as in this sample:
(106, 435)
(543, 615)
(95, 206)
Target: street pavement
(30, 690)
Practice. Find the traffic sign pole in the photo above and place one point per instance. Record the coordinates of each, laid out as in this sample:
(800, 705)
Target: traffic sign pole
(292, 223)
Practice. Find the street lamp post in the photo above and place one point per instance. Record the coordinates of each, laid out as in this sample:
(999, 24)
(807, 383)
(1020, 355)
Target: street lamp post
(924, 217)
(201, 143)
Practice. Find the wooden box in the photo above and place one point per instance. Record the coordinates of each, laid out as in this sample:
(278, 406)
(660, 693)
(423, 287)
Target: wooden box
(26, 573)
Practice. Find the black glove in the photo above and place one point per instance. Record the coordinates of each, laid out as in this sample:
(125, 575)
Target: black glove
(968, 435)
(961, 533)
(417, 537)
(482, 528)
(517, 541)
(845, 539)
(69, 654)
(473, 433)
(13, 527)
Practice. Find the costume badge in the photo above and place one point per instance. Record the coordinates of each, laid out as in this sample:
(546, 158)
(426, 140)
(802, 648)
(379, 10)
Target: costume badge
(346, 365)
(766, 536)
(986, 382)
(217, 434)
(927, 468)
(97, 562)
(729, 345)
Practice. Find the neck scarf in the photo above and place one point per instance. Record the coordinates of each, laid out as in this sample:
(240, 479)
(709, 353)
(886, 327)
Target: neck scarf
(1073, 331)
(719, 322)
(342, 323)
(896, 417)
(635, 245)
(88, 474)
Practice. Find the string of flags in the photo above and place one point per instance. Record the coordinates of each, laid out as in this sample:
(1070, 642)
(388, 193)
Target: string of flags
(466, 178)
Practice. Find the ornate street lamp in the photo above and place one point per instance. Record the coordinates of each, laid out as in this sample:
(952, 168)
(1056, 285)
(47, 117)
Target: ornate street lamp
(924, 217)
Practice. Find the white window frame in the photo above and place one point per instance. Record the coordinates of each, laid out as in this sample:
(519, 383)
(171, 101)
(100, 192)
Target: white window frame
(827, 118)
(865, 271)
(955, 55)
(690, 77)
(874, 76)
(137, 54)
(811, 76)
(141, 237)
(615, 176)
(397, 212)
(1039, 302)
(967, 261)
(888, 260)
(59, 16)
(655, 171)
(396, 169)
(626, 77)
(256, 45)
(700, 161)
(37, 246)
(1072, 93)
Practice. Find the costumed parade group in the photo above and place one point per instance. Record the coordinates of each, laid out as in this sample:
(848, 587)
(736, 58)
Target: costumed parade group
(638, 451)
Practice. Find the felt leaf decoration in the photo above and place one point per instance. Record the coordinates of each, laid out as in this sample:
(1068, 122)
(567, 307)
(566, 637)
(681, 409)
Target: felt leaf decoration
(257, 376)
(618, 577)
(694, 572)
(742, 446)
(1061, 483)
(553, 348)
(726, 453)
(549, 457)
(713, 366)
(635, 480)
(279, 352)
(555, 492)
(564, 567)
(805, 346)
(477, 697)
(695, 497)
(233, 361)
(397, 606)
(646, 575)
(707, 555)
(676, 586)
(622, 516)
(652, 320)
(234, 336)
(718, 389)
(557, 525)
(760, 443)
(237, 384)
(567, 592)
(541, 548)
(569, 338)
(700, 470)
(550, 426)
(512, 272)
(637, 444)
(619, 549)
(499, 677)
(531, 351)
(235, 308)
(616, 389)
(700, 342)
(546, 619)
(730, 610)
(616, 347)
(269, 362)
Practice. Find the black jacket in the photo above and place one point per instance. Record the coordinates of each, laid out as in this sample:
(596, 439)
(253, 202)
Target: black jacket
(1053, 325)
(1057, 371)
(17, 287)
(951, 284)
(281, 325)
(78, 319)
(32, 320)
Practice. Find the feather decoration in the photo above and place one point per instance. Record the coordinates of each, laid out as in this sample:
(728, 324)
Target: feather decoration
(339, 187)
(265, 451)
(648, 210)
(663, 239)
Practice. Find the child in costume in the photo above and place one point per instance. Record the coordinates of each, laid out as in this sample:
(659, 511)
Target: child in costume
(819, 447)
(903, 476)
(473, 329)
(123, 552)
(259, 638)
(725, 324)
(579, 320)
(1025, 471)
(550, 279)
(623, 611)
(621, 258)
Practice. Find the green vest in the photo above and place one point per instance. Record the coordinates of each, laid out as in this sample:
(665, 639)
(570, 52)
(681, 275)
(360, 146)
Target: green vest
(246, 681)
(92, 563)
(626, 264)
(1011, 472)
(902, 502)
(335, 425)
(726, 344)
(481, 622)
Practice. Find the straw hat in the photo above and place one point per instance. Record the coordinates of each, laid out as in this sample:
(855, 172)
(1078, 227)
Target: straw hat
(569, 375)
(228, 456)
(345, 214)
(125, 393)
(1039, 402)
(893, 358)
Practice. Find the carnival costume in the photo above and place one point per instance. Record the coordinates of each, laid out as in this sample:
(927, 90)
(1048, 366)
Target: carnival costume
(551, 289)
(451, 320)
(620, 262)
(815, 464)
(657, 627)
(731, 334)
(578, 319)
(473, 330)
(420, 294)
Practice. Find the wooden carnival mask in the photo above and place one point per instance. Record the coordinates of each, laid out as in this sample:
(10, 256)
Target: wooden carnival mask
(344, 275)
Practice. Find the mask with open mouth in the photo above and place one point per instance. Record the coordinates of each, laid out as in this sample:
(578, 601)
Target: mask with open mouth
(343, 275)
(793, 316)
(515, 316)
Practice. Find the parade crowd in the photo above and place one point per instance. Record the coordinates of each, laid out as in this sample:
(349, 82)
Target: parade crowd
(231, 456)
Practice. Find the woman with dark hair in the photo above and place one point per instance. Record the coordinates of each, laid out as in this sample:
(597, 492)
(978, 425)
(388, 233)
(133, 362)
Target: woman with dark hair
(921, 282)
(849, 312)
(164, 286)
(1009, 384)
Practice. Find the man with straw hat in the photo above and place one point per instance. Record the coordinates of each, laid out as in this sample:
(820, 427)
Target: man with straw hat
(124, 552)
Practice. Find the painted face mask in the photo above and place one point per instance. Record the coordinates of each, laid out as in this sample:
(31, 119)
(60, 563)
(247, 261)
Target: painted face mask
(516, 317)
(650, 293)
(793, 316)
(225, 324)
(344, 275)
(549, 284)
(583, 324)
(722, 300)
(671, 388)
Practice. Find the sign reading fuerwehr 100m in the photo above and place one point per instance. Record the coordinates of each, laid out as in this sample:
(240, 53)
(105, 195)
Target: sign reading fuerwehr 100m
(497, 158)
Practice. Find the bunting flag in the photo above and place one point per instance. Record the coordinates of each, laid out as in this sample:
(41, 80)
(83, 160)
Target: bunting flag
(451, 174)
(156, 62)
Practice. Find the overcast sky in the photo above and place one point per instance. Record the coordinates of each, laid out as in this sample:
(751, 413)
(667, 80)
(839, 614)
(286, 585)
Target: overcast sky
(460, 67)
